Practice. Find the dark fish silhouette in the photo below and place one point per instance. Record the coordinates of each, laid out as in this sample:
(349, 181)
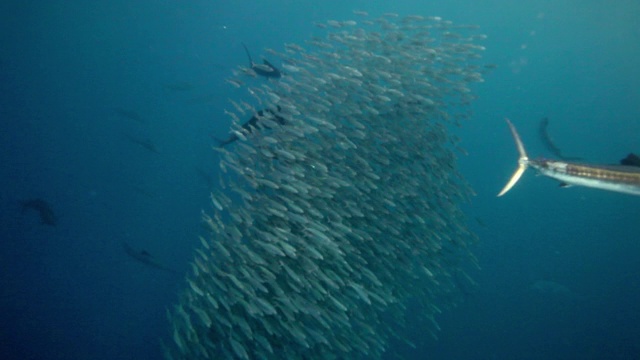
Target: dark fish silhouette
(145, 143)
(254, 122)
(129, 114)
(631, 160)
(265, 69)
(47, 216)
(179, 86)
(551, 146)
(144, 257)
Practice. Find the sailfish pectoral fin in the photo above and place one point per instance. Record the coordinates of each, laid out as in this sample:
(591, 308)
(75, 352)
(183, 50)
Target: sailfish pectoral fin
(514, 179)
(523, 160)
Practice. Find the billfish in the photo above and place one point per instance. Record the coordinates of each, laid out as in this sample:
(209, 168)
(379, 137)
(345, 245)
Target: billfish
(618, 178)
(265, 69)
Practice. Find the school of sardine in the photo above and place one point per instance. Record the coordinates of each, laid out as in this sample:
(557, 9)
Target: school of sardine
(326, 227)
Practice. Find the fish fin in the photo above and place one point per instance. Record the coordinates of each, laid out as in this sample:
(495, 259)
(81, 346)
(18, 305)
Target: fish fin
(631, 160)
(516, 138)
(514, 179)
(523, 160)
(248, 55)
(564, 185)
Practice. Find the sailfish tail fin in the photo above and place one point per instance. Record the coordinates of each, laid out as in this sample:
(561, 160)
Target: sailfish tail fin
(248, 54)
(523, 160)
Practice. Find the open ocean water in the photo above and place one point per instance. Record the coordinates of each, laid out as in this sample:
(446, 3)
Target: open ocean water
(107, 113)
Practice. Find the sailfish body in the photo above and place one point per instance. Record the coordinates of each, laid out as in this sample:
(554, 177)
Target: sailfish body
(618, 178)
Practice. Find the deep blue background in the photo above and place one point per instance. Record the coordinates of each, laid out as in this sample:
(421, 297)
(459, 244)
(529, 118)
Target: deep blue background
(70, 292)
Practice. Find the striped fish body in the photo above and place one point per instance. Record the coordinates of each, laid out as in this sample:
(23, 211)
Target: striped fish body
(618, 178)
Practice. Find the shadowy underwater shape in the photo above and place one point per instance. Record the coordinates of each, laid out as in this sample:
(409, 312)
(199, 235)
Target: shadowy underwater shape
(631, 160)
(253, 123)
(129, 114)
(144, 143)
(144, 257)
(548, 142)
(265, 69)
(47, 216)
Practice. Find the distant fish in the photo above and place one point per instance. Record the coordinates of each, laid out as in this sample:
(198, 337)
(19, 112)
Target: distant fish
(129, 114)
(481, 222)
(145, 143)
(47, 216)
(631, 160)
(467, 286)
(548, 142)
(550, 287)
(252, 123)
(265, 69)
(179, 86)
(144, 257)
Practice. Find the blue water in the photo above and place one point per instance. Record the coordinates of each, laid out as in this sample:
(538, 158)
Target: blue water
(69, 70)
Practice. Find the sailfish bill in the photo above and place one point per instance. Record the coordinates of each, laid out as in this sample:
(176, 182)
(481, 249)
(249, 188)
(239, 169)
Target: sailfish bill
(618, 178)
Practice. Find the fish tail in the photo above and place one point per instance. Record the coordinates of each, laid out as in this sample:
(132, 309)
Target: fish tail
(523, 160)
